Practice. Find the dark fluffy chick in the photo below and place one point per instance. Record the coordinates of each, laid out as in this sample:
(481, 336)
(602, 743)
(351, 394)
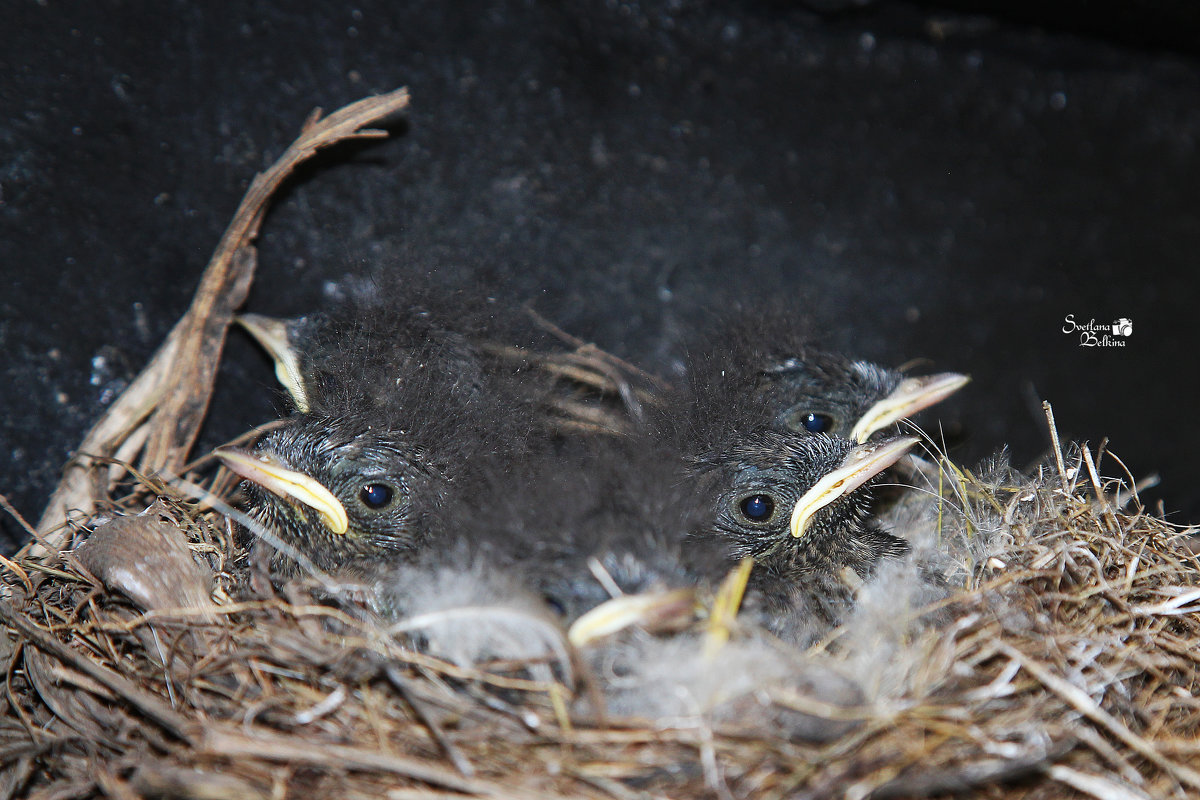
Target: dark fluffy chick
(397, 406)
(760, 370)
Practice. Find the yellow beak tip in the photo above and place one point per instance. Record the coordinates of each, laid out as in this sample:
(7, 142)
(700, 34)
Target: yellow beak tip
(289, 484)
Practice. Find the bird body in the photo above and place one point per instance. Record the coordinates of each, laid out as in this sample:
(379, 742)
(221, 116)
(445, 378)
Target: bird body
(599, 517)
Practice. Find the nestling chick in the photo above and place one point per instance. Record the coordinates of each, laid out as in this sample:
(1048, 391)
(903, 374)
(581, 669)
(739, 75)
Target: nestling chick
(758, 371)
(599, 517)
(800, 504)
(339, 488)
(827, 393)
(397, 407)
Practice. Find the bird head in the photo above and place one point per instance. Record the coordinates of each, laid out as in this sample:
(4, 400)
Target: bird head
(339, 491)
(827, 393)
(761, 370)
(396, 403)
(358, 358)
(799, 504)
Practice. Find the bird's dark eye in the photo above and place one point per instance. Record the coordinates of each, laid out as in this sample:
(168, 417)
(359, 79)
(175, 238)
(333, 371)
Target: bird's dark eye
(812, 422)
(757, 507)
(556, 605)
(375, 495)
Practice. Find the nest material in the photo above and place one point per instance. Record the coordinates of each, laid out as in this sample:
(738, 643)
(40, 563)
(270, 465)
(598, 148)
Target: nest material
(157, 660)
(1067, 659)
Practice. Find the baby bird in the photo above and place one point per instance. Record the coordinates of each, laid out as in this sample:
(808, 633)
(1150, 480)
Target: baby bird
(789, 448)
(341, 487)
(396, 408)
(614, 532)
(821, 392)
(800, 504)
(598, 518)
(758, 370)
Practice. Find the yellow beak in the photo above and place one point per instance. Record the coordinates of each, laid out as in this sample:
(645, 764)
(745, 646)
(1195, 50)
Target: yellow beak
(860, 465)
(272, 334)
(267, 471)
(912, 395)
(650, 609)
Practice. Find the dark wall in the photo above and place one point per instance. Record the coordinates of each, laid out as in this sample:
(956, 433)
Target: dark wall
(920, 183)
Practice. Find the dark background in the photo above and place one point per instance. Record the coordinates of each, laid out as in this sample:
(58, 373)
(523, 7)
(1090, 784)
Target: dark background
(918, 180)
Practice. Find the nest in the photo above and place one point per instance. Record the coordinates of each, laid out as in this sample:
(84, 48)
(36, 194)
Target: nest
(1068, 657)
(148, 654)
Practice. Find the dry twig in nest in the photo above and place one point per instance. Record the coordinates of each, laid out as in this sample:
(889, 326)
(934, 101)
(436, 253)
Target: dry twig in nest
(1065, 663)
(159, 415)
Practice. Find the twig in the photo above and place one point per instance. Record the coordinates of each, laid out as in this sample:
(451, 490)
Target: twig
(460, 761)
(12, 511)
(1095, 785)
(591, 349)
(1058, 456)
(220, 741)
(1084, 704)
(1105, 510)
(171, 394)
(149, 704)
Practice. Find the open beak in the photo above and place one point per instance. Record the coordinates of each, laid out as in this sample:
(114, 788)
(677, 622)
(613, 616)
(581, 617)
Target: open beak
(295, 487)
(272, 334)
(912, 395)
(860, 465)
(671, 609)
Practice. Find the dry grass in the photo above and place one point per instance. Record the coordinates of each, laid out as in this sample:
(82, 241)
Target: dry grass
(1067, 663)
